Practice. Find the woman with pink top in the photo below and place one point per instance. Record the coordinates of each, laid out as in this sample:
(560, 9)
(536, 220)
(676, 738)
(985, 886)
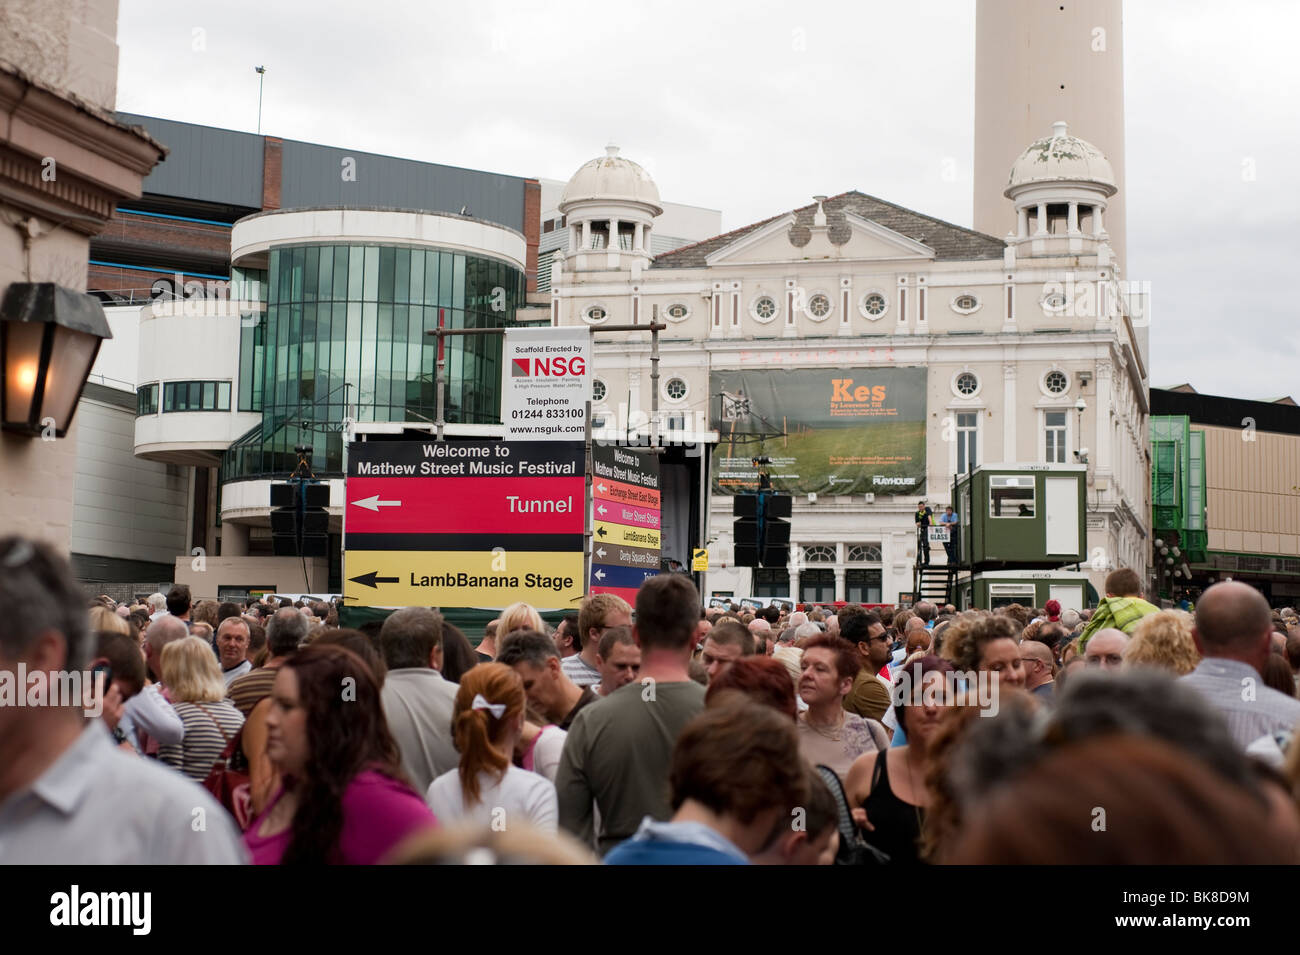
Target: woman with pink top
(327, 736)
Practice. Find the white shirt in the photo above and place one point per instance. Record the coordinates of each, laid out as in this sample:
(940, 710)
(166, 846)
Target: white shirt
(96, 805)
(236, 672)
(547, 751)
(519, 795)
(148, 711)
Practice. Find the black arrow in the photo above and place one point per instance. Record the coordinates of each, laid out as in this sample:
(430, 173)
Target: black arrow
(600, 532)
(370, 580)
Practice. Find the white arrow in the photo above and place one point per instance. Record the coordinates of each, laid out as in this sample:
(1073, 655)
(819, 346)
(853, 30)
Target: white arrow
(374, 503)
(600, 552)
(599, 575)
(600, 509)
(601, 488)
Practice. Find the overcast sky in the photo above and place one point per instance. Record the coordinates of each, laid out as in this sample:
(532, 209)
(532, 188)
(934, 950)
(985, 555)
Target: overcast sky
(754, 107)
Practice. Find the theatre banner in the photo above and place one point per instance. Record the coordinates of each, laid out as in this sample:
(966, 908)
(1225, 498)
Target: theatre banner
(824, 431)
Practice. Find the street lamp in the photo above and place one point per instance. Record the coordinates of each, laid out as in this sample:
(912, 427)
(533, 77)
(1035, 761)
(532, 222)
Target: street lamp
(1080, 406)
(49, 337)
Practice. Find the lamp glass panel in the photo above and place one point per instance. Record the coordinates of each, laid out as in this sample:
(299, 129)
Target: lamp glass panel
(70, 363)
(22, 358)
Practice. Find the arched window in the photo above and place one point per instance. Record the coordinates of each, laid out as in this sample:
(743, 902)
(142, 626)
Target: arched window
(865, 554)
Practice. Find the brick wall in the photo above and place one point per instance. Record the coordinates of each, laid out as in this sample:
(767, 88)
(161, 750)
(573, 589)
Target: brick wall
(532, 228)
(272, 163)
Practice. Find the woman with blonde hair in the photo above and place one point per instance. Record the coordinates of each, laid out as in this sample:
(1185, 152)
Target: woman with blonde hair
(192, 675)
(487, 788)
(519, 616)
(1163, 640)
(103, 620)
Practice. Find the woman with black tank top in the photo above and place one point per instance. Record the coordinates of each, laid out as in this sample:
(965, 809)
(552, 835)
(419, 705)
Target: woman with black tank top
(889, 786)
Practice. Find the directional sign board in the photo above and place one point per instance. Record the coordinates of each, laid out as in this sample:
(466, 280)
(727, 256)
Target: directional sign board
(464, 524)
(625, 520)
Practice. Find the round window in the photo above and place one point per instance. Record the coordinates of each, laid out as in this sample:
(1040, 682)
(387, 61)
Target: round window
(967, 384)
(1055, 301)
(675, 389)
(765, 308)
(967, 303)
(873, 303)
(598, 390)
(678, 311)
(595, 314)
(819, 306)
(1057, 383)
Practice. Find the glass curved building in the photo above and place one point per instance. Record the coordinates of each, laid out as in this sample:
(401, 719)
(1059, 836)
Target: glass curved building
(343, 333)
(325, 326)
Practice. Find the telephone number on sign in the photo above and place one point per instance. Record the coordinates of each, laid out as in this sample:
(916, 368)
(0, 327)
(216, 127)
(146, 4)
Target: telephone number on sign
(527, 413)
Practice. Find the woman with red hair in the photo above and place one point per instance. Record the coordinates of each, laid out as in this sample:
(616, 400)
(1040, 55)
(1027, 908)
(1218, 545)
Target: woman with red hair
(762, 679)
(486, 787)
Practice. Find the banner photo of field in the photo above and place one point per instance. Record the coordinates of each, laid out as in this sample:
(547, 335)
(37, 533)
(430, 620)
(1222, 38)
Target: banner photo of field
(826, 431)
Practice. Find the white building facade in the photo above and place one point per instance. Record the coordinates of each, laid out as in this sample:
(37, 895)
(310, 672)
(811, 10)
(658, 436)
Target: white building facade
(1028, 346)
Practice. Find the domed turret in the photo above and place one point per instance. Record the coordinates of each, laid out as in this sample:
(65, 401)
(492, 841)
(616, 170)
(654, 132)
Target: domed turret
(610, 205)
(611, 178)
(1060, 185)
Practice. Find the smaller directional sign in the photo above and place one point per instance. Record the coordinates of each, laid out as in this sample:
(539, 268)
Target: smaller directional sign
(626, 519)
(624, 534)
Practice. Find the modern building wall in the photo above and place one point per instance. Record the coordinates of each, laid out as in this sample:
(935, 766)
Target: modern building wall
(209, 576)
(126, 508)
(1252, 490)
(1252, 493)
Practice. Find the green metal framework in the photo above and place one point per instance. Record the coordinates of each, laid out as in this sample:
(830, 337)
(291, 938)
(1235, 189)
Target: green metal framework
(1178, 483)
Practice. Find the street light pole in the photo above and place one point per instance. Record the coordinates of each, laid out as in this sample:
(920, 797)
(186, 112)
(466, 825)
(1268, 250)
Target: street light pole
(261, 79)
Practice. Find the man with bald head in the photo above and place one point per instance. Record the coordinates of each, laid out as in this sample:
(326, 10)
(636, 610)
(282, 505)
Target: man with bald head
(1233, 632)
(1106, 649)
(762, 633)
(1040, 669)
(148, 719)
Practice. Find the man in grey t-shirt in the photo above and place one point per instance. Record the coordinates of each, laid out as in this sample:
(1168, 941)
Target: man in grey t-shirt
(418, 701)
(618, 750)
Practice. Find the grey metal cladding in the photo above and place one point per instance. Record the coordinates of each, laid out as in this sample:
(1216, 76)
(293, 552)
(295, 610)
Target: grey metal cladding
(312, 176)
(204, 163)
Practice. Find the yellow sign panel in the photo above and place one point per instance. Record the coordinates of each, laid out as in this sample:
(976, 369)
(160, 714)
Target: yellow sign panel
(626, 535)
(699, 560)
(421, 578)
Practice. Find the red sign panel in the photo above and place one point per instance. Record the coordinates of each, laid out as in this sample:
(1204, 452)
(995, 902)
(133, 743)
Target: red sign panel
(465, 505)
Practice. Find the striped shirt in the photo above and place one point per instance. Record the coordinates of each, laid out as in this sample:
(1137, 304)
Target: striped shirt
(580, 671)
(1237, 691)
(204, 743)
(251, 688)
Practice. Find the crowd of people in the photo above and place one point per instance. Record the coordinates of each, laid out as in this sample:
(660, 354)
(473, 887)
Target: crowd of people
(660, 734)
